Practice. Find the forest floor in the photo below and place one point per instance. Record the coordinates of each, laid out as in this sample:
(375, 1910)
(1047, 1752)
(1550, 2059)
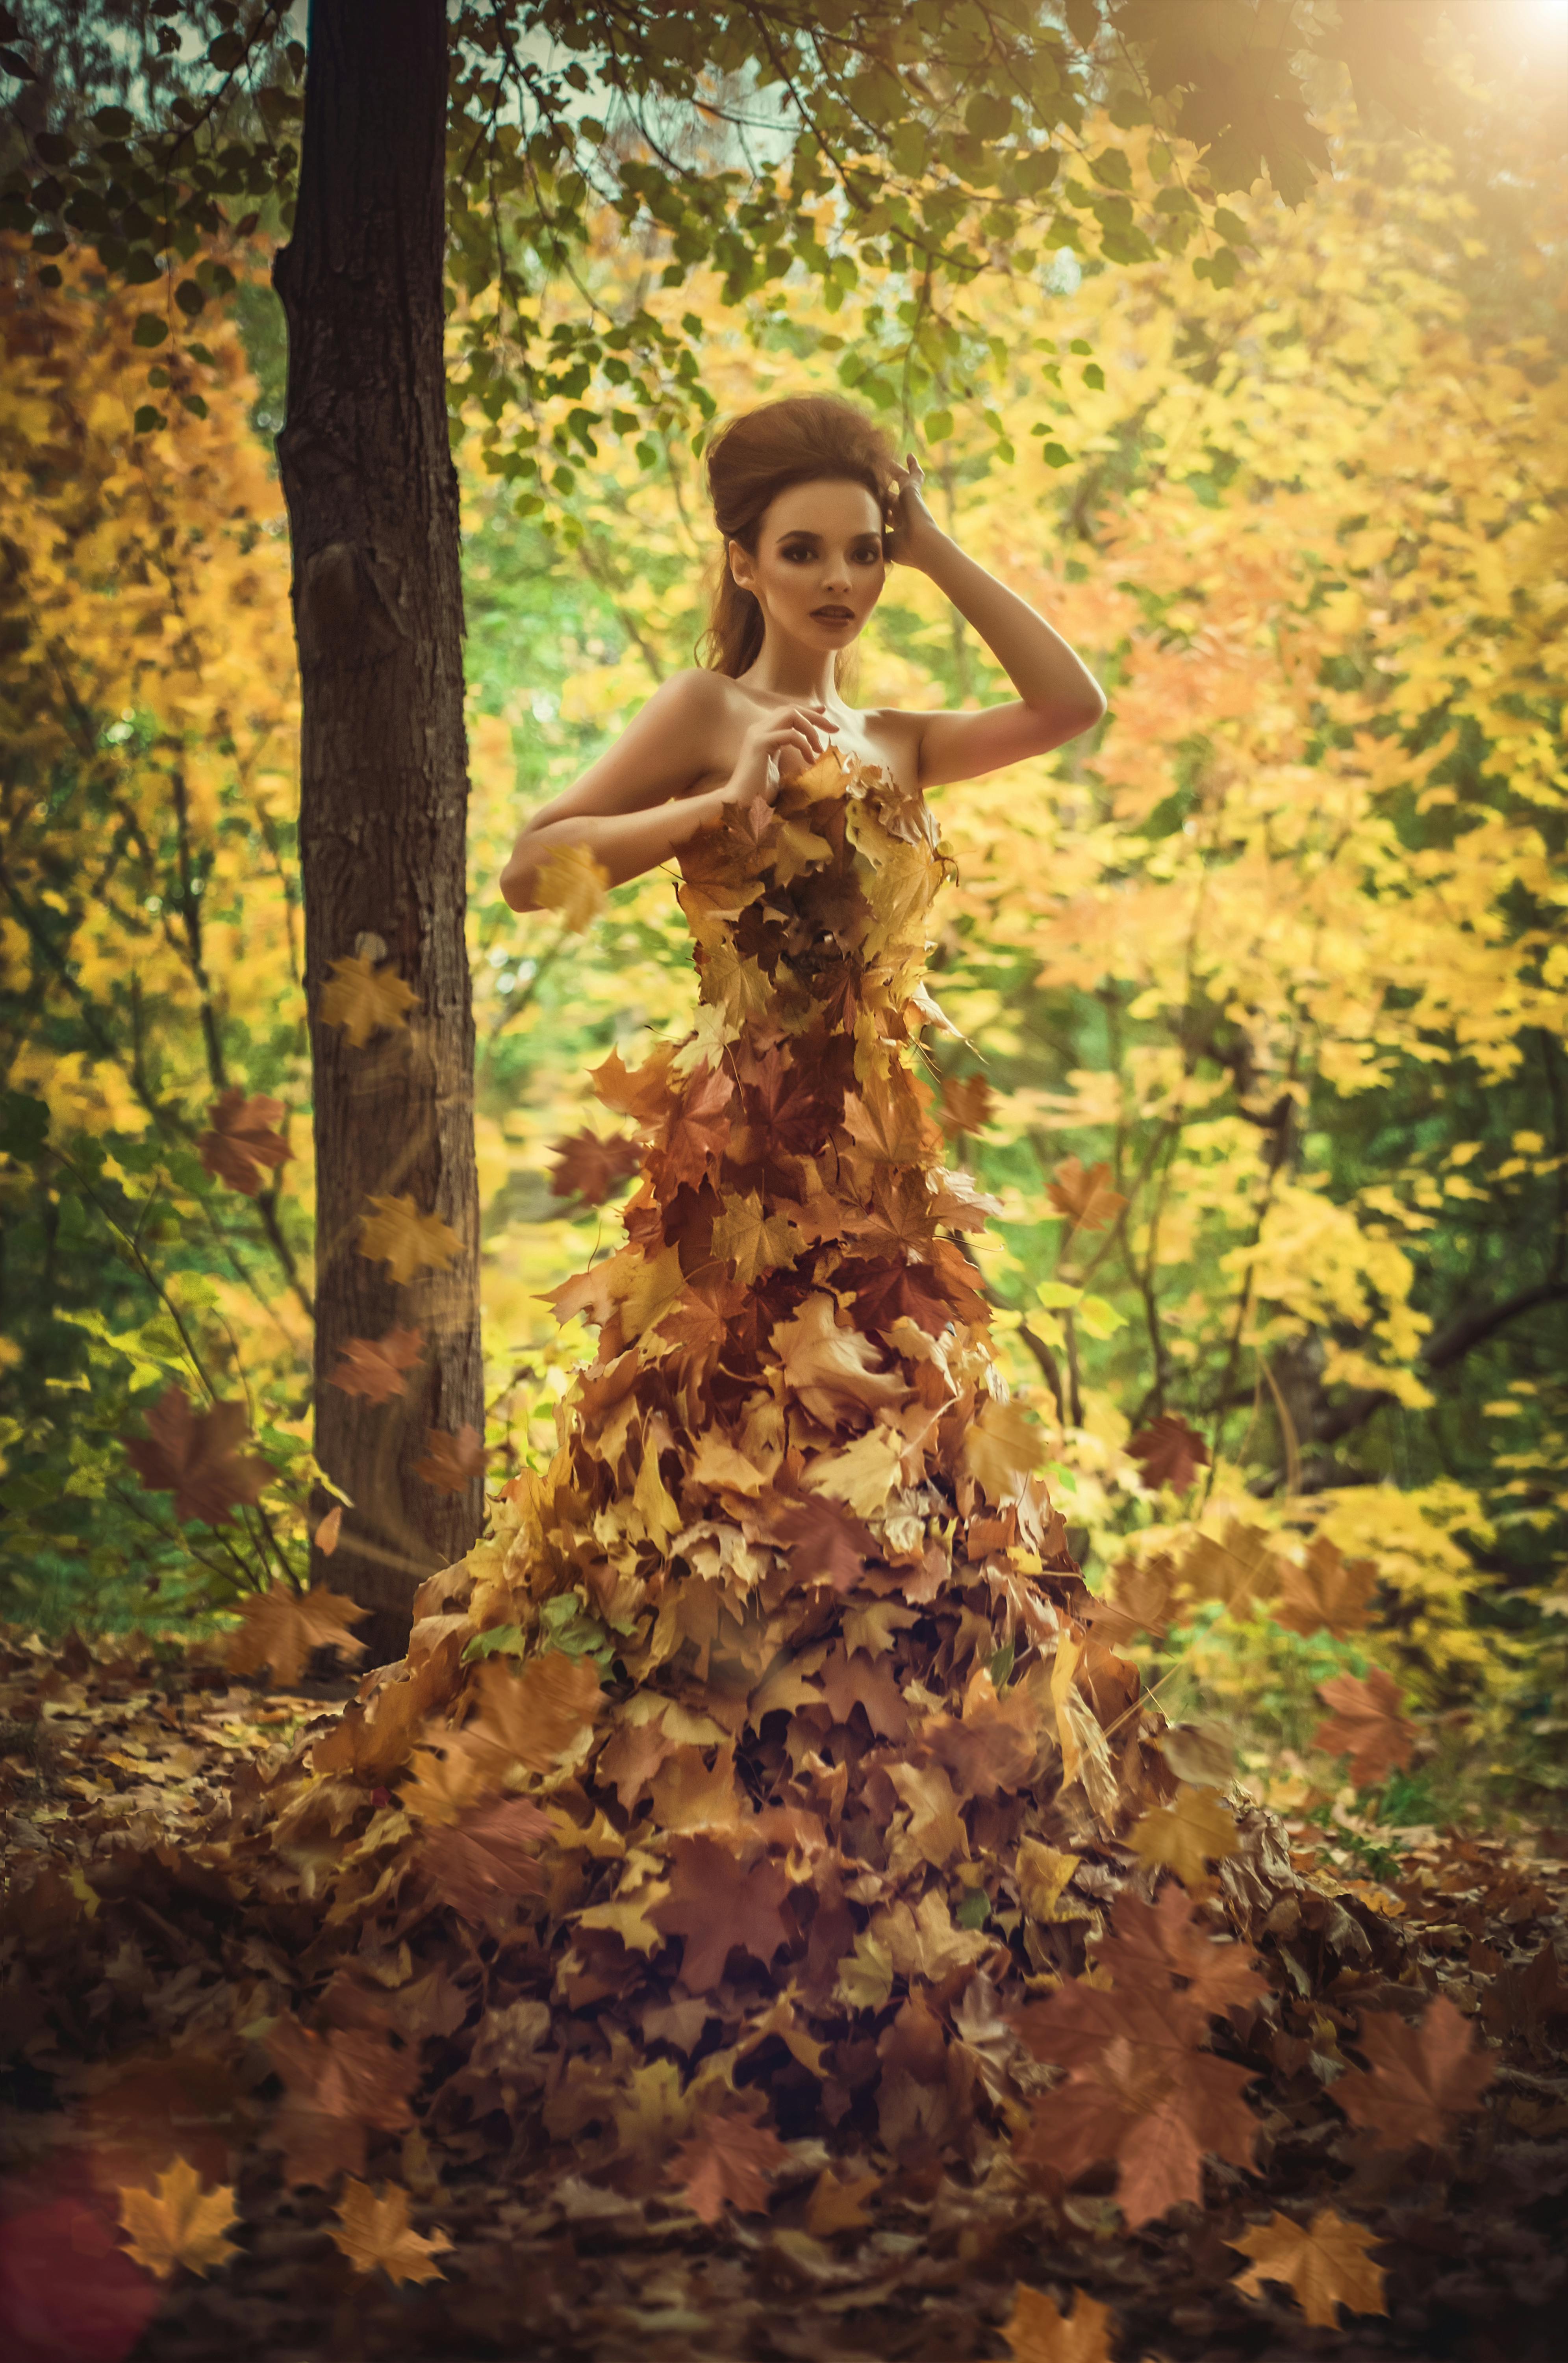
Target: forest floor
(114, 1761)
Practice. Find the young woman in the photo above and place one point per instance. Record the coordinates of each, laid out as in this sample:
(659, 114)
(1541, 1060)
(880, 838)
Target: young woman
(813, 509)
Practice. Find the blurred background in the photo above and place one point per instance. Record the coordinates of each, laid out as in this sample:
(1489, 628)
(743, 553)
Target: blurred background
(1258, 992)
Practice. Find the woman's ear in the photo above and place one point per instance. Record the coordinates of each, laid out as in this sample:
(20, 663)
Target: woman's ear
(743, 573)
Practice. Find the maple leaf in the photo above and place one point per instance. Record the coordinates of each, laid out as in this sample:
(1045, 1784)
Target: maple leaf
(482, 1864)
(1038, 2332)
(885, 1123)
(835, 2206)
(1240, 1568)
(1149, 1942)
(1043, 1876)
(1143, 1591)
(1086, 1197)
(376, 1368)
(1183, 1837)
(178, 2222)
(862, 1475)
(825, 1544)
(533, 1715)
(193, 1456)
(362, 998)
(241, 1141)
(451, 1462)
(726, 2162)
(699, 1132)
(1170, 1453)
(640, 1092)
(398, 1235)
(830, 1367)
(281, 1627)
(1327, 1594)
(373, 2230)
(588, 1167)
(1420, 2076)
(1367, 1725)
(966, 1106)
(1001, 1448)
(716, 1903)
(754, 1242)
(574, 882)
(338, 2086)
(935, 1824)
(1325, 2264)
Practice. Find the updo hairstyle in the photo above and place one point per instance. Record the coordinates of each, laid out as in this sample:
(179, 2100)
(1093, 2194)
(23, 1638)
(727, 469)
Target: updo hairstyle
(803, 440)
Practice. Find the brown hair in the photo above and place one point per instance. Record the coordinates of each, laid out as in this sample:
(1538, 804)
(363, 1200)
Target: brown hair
(803, 440)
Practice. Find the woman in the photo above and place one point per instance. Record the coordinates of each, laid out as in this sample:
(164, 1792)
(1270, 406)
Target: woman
(812, 508)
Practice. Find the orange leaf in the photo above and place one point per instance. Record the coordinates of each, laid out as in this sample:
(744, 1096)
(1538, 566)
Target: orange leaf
(1329, 1594)
(193, 1455)
(178, 2224)
(281, 1627)
(375, 2231)
(327, 1533)
(531, 1716)
(1367, 1725)
(241, 1141)
(1086, 1197)
(1183, 1837)
(835, 2206)
(1420, 2076)
(1170, 1453)
(716, 1904)
(1325, 2264)
(1038, 2332)
(966, 1105)
(485, 1863)
(451, 1462)
(727, 2161)
(362, 998)
(830, 1367)
(398, 1235)
(588, 1167)
(375, 1367)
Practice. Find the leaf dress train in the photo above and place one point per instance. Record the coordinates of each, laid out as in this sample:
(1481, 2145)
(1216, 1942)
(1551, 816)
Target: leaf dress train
(762, 1750)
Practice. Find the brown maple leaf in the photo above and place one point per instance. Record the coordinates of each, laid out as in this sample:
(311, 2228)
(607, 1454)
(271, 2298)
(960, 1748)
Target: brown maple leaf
(1325, 2263)
(726, 2162)
(835, 2206)
(281, 1627)
(1367, 1724)
(1238, 1569)
(884, 1121)
(826, 1545)
(831, 1368)
(1153, 1944)
(532, 1716)
(716, 1903)
(194, 1456)
(487, 1860)
(178, 2222)
(451, 1462)
(1085, 1195)
(966, 1106)
(1521, 2002)
(339, 2086)
(373, 1740)
(242, 1141)
(588, 1167)
(1038, 2332)
(640, 1092)
(1420, 2076)
(1327, 1594)
(699, 1129)
(373, 2231)
(1170, 1453)
(376, 1368)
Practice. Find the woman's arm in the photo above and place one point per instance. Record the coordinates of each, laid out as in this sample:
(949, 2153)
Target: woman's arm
(633, 807)
(1058, 696)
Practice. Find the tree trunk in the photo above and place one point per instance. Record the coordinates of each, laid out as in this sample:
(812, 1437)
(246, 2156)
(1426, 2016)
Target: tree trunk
(372, 500)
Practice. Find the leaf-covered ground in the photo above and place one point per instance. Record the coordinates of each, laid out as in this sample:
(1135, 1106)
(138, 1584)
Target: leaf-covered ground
(1421, 2168)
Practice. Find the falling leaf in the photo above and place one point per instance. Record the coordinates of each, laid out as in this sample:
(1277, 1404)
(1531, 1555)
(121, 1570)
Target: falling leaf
(727, 2162)
(1420, 2076)
(1151, 1944)
(1326, 2264)
(1142, 1590)
(1327, 1594)
(340, 2084)
(1367, 1724)
(966, 1106)
(574, 882)
(373, 2230)
(1043, 1877)
(281, 1627)
(194, 1456)
(1199, 1753)
(451, 1462)
(835, 2206)
(1184, 1836)
(178, 2222)
(241, 1141)
(1170, 1453)
(1238, 1569)
(362, 998)
(1086, 1197)
(329, 1529)
(377, 1367)
(588, 1167)
(1038, 2332)
(398, 1234)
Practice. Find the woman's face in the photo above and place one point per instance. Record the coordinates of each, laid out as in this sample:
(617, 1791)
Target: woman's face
(818, 567)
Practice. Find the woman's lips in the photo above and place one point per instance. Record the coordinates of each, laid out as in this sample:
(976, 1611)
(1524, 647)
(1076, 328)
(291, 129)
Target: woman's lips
(834, 614)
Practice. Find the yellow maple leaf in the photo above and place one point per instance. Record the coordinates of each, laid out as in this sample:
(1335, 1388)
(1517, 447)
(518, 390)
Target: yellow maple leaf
(716, 1462)
(1325, 2263)
(1184, 1836)
(373, 2229)
(1001, 1448)
(398, 1235)
(862, 1475)
(1038, 2332)
(362, 998)
(178, 2222)
(574, 882)
(935, 1824)
(752, 1242)
(1043, 1876)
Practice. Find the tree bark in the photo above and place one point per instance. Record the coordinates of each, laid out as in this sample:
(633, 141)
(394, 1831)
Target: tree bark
(372, 500)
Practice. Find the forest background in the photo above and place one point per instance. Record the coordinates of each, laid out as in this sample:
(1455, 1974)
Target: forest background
(1259, 992)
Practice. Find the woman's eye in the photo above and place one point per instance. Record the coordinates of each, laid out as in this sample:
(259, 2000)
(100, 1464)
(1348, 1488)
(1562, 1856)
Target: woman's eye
(799, 551)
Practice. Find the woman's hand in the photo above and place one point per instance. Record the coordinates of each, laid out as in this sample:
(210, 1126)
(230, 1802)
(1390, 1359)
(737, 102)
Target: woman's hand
(775, 747)
(914, 533)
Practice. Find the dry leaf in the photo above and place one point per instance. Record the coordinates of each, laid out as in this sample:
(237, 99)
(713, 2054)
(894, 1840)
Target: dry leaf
(1329, 1594)
(329, 1529)
(1038, 2332)
(1086, 1197)
(1183, 1838)
(178, 2222)
(727, 2162)
(588, 1167)
(1420, 2077)
(835, 2206)
(194, 1456)
(1170, 1453)
(362, 998)
(574, 882)
(1367, 1724)
(373, 2230)
(405, 1240)
(242, 1141)
(280, 1629)
(1326, 2265)
(452, 1462)
(377, 1368)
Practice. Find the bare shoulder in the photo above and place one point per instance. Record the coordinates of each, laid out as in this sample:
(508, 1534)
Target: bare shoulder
(695, 695)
